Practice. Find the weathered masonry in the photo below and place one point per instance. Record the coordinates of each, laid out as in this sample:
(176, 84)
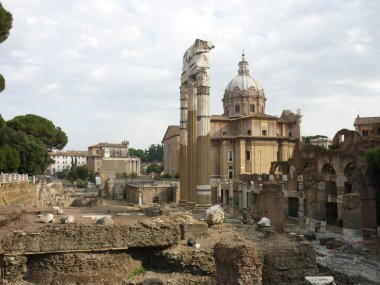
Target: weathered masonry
(195, 125)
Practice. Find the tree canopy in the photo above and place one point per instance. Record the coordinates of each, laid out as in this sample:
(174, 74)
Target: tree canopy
(5, 26)
(2, 122)
(22, 153)
(143, 155)
(5, 23)
(372, 156)
(24, 144)
(154, 153)
(307, 139)
(155, 167)
(53, 137)
(2, 83)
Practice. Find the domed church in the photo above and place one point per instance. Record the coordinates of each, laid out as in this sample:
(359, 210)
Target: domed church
(245, 140)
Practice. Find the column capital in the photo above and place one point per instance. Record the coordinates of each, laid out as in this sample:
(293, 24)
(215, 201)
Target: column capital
(203, 79)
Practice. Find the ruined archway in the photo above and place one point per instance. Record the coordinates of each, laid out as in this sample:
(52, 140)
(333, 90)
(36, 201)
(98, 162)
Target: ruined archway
(329, 182)
(348, 172)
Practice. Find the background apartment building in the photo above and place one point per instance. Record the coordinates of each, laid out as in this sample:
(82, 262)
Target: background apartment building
(108, 159)
(64, 159)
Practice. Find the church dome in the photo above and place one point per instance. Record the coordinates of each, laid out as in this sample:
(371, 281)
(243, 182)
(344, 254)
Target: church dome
(243, 80)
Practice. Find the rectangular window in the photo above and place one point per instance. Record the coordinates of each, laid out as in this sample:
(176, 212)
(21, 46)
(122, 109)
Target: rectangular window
(264, 132)
(248, 155)
(364, 133)
(237, 108)
(230, 174)
(249, 132)
(252, 108)
(230, 156)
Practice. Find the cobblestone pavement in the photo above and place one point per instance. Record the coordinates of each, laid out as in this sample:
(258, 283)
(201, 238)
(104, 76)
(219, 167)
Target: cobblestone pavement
(362, 261)
(348, 264)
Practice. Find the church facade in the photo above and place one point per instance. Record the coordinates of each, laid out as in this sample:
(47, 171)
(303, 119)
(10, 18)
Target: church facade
(245, 140)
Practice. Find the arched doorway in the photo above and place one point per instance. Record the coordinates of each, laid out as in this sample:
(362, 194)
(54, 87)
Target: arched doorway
(329, 178)
(348, 171)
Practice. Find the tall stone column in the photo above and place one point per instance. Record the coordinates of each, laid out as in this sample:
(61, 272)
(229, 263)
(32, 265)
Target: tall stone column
(203, 139)
(219, 191)
(245, 196)
(230, 197)
(183, 145)
(192, 142)
(223, 161)
(196, 66)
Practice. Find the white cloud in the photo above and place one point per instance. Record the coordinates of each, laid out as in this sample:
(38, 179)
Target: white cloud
(109, 70)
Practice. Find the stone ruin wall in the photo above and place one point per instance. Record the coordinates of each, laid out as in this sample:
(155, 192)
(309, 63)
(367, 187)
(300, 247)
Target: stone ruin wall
(75, 249)
(20, 193)
(82, 253)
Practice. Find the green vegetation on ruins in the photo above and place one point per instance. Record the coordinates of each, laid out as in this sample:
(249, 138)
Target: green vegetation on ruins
(80, 175)
(372, 157)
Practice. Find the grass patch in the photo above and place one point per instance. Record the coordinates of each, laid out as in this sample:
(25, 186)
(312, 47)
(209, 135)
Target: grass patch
(137, 272)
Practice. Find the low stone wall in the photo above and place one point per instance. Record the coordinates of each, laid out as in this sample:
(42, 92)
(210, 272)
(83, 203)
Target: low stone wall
(77, 237)
(289, 265)
(237, 263)
(81, 268)
(20, 193)
(269, 203)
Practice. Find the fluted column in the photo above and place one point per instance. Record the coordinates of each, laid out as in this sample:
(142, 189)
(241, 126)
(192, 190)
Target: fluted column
(203, 139)
(183, 145)
(192, 142)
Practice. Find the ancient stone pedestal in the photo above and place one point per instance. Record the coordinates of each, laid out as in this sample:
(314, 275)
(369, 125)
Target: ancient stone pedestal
(237, 263)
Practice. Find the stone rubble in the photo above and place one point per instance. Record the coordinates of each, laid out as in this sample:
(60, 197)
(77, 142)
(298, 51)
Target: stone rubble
(47, 218)
(264, 222)
(105, 221)
(215, 215)
(320, 280)
(69, 219)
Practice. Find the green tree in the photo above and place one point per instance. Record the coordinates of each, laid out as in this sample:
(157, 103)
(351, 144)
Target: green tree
(155, 153)
(307, 139)
(73, 173)
(9, 159)
(155, 167)
(34, 158)
(138, 153)
(5, 23)
(91, 177)
(372, 156)
(2, 122)
(5, 26)
(2, 83)
(83, 172)
(53, 137)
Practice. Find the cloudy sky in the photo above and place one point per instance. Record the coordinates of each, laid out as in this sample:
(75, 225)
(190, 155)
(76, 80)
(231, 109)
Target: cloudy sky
(108, 70)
